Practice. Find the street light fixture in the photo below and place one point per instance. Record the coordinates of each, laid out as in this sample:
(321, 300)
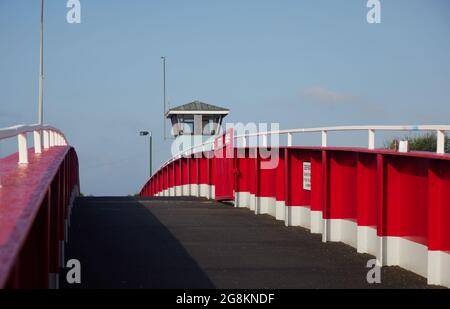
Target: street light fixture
(146, 133)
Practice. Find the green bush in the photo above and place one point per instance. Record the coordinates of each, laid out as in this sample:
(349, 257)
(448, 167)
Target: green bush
(420, 142)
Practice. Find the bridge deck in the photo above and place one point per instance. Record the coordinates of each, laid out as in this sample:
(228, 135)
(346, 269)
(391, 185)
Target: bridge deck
(196, 243)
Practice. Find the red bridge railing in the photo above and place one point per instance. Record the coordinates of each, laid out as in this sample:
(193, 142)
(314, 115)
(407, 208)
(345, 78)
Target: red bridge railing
(393, 205)
(37, 189)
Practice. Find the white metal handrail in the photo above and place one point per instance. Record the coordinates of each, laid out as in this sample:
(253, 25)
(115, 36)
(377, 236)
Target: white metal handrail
(45, 137)
(439, 129)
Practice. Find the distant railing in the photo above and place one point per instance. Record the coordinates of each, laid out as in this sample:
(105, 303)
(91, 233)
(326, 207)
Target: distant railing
(439, 129)
(44, 137)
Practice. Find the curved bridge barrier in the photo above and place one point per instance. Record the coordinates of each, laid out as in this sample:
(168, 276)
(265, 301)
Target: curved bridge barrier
(37, 189)
(395, 206)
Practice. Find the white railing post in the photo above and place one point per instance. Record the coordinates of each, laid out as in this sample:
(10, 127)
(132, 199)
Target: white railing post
(289, 143)
(440, 142)
(264, 140)
(52, 138)
(244, 141)
(46, 136)
(371, 139)
(37, 141)
(324, 138)
(23, 148)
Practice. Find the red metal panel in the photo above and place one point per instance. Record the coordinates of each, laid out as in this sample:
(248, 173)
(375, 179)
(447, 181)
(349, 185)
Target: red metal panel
(244, 176)
(366, 192)
(185, 171)
(210, 171)
(224, 167)
(177, 172)
(193, 170)
(439, 206)
(256, 174)
(298, 196)
(252, 170)
(316, 181)
(166, 178)
(381, 193)
(170, 175)
(279, 176)
(342, 184)
(407, 198)
(325, 185)
(203, 171)
(267, 180)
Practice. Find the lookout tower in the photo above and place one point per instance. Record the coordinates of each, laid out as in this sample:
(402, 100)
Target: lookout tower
(196, 118)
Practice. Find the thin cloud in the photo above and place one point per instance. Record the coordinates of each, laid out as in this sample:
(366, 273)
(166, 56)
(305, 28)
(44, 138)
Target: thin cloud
(330, 98)
(326, 96)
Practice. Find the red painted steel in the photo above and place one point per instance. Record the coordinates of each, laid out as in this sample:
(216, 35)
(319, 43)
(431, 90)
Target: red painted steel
(367, 208)
(342, 185)
(317, 191)
(399, 194)
(178, 173)
(203, 171)
(185, 171)
(243, 165)
(407, 198)
(298, 196)
(439, 206)
(280, 177)
(194, 170)
(34, 203)
(224, 167)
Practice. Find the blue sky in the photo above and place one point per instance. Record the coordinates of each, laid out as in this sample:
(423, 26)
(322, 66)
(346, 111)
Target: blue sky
(299, 63)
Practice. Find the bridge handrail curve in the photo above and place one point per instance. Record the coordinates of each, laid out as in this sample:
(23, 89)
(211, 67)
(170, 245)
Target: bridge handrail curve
(45, 136)
(371, 129)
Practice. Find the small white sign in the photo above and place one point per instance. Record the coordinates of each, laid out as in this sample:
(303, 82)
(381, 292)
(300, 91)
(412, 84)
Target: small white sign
(307, 176)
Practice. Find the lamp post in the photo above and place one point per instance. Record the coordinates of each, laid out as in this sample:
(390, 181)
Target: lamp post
(41, 70)
(163, 58)
(146, 133)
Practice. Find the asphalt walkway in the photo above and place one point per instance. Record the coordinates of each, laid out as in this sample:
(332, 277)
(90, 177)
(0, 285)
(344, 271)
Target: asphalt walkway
(195, 243)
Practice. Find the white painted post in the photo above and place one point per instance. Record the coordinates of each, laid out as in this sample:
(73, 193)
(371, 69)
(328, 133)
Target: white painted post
(324, 138)
(264, 140)
(37, 141)
(46, 136)
(371, 139)
(440, 142)
(52, 138)
(244, 142)
(289, 139)
(403, 146)
(23, 148)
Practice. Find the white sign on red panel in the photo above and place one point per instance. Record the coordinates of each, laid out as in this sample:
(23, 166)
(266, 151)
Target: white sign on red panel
(307, 176)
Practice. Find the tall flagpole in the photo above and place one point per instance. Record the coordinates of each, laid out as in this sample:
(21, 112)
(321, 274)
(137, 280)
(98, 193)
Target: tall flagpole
(41, 69)
(164, 95)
